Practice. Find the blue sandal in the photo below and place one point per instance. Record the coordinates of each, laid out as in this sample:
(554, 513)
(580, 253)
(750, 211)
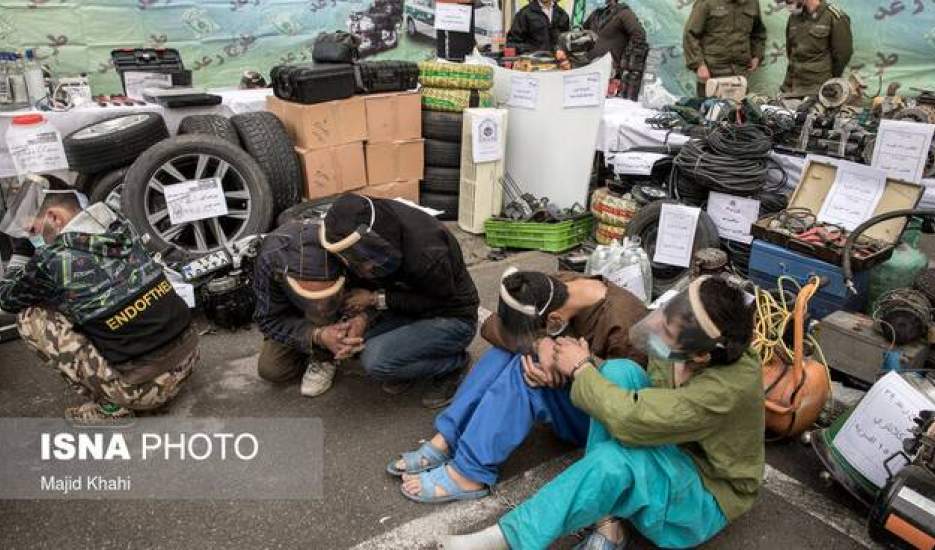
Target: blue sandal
(413, 459)
(438, 477)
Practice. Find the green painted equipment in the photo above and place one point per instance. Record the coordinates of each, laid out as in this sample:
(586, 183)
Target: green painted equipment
(901, 270)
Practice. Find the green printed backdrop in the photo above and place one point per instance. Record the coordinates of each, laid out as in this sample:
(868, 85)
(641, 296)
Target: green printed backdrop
(894, 40)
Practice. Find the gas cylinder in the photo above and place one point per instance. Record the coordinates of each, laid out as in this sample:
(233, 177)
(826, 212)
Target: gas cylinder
(901, 270)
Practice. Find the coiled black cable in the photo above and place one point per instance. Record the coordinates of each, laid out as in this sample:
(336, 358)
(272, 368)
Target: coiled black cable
(728, 159)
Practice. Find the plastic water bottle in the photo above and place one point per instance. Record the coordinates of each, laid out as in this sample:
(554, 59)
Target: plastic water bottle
(18, 82)
(35, 82)
(650, 72)
(6, 92)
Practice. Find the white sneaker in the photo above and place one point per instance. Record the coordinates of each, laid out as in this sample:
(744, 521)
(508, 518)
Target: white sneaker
(318, 378)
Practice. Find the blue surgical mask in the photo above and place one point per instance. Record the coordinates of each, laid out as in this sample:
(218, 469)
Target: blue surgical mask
(657, 347)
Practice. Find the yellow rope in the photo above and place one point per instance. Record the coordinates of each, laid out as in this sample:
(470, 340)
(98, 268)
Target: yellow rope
(772, 319)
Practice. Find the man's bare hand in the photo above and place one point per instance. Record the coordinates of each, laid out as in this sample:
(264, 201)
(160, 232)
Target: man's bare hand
(569, 353)
(332, 337)
(703, 73)
(532, 374)
(357, 326)
(754, 64)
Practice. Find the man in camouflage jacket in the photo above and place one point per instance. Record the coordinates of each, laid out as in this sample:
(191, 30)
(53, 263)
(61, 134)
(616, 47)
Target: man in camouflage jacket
(93, 303)
(819, 46)
(723, 38)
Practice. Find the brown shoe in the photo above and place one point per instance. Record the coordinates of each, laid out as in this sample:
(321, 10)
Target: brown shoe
(441, 391)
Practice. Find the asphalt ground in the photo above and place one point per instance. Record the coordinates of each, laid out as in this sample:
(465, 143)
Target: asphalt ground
(361, 505)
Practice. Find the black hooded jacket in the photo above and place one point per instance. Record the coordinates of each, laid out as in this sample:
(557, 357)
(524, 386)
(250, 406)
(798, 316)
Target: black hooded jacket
(532, 31)
(433, 280)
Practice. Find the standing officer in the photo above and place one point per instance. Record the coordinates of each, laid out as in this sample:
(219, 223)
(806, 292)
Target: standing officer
(819, 46)
(723, 38)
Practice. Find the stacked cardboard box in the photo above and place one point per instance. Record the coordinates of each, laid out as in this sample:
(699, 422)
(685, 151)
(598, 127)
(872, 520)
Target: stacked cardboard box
(366, 144)
(394, 147)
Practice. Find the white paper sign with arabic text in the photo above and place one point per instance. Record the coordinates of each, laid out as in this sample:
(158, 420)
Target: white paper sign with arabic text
(453, 17)
(901, 149)
(195, 200)
(733, 216)
(676, 234)
(486, 138)
(524, 92)
(877, 427)
(583, 90)
(854, 195)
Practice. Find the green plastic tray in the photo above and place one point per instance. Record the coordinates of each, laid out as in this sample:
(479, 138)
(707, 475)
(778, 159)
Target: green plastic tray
(548, 237)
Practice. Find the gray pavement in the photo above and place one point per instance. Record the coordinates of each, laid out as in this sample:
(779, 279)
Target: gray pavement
(364, 428)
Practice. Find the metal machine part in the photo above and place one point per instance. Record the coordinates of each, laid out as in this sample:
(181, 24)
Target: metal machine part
(903, 515)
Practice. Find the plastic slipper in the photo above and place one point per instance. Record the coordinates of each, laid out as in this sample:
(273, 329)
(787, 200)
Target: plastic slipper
(438, 477)
(413, 459)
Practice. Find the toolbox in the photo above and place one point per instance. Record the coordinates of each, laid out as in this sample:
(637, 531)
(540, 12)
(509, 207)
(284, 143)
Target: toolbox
(313, 83)
(852, 346)
(386, 76)
(769, 261)
(816, 182)
(151, 60)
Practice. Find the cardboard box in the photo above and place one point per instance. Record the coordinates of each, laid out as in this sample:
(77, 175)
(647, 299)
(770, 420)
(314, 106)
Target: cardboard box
(405, 189)
(333, 170)
(481, 190)
(395, 161)
(394, 116)
(322, 124)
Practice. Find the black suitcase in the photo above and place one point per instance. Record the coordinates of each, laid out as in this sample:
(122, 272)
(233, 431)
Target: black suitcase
(386, 76)
(313, 83)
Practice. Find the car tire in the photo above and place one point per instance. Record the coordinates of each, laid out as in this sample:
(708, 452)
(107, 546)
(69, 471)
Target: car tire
(265, 138)
(410, 27)
(645, 224)
(114, 142)
(210, 125)
(442, 154)
(105, 185)
(442, 180)
(442, 126)
(448, 204)
(141, 204)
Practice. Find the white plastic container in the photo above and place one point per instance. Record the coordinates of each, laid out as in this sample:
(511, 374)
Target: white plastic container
(35, 145)
(626, 266)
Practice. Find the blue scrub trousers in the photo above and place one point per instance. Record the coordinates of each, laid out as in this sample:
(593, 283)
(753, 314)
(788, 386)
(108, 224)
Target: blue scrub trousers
(493, 412)
(657, 489)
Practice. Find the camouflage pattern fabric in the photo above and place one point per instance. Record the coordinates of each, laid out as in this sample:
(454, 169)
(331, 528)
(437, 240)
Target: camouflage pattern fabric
(53, 337)
(83, 275)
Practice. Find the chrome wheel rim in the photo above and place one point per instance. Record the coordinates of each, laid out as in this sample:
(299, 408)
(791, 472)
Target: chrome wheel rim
(206, 235)
(110, 126)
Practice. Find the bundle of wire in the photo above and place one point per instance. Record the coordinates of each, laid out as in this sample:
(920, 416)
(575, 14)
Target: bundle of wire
(773, 317)
(727, 159)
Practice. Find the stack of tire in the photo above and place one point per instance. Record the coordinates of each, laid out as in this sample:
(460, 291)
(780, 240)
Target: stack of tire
(128, 161)
(613, 213)
(448, 89)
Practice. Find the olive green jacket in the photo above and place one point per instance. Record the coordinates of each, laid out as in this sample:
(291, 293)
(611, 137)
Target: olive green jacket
(724, 35)
(819, 47)
(717, 417)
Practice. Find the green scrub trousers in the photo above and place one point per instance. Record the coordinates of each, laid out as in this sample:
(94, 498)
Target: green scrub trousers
(657, 489)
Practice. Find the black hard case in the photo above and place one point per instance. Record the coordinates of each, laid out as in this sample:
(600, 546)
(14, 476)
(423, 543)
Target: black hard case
(151, 60)
(386, 76)
(313, 83)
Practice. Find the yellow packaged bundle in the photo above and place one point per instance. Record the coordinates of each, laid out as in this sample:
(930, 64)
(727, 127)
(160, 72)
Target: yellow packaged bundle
(454, 101)
(455, 76)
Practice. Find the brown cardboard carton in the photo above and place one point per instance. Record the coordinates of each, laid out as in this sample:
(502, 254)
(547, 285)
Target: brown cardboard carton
(333, 170)
(394, 116)
(394, 161)
(322, 124)
(405, 189)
